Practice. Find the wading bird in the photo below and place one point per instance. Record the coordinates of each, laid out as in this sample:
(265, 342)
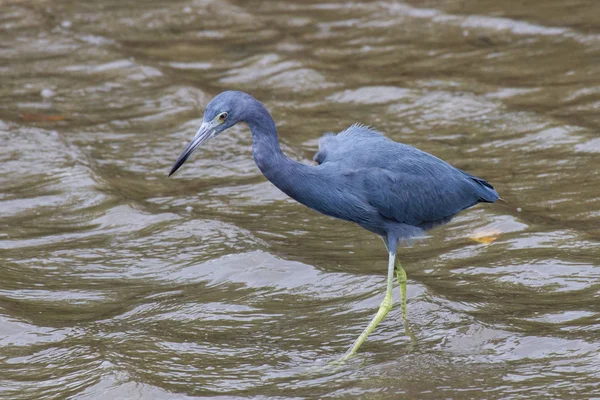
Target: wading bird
(388, 188)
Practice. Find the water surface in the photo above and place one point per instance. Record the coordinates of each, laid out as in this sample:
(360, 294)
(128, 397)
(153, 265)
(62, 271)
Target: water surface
(120, 283)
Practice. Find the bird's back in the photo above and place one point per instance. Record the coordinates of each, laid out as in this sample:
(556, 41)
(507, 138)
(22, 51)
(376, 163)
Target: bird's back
(403, 184)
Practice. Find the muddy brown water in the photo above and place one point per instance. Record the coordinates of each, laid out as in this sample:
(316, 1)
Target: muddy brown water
(118, 283)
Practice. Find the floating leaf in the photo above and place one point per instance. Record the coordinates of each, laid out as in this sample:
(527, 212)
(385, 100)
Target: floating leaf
(41, 117)
(486, 236)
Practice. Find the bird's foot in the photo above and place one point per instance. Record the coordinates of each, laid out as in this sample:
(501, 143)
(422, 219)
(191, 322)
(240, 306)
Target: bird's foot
(384, 308)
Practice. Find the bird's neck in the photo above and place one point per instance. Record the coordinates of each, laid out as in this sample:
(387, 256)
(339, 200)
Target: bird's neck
(265, 147)
(269, 158)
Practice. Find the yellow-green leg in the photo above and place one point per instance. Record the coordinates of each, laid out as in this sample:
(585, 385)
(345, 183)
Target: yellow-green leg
(401, 278)
(384, 308)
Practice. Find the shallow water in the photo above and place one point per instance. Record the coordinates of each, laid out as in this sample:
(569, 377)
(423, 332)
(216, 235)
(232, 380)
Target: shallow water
(120, 283)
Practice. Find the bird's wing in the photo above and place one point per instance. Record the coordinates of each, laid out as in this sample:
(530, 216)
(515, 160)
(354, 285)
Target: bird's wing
(334, 147)
(424, 194)
(326, 142)
(401, 182)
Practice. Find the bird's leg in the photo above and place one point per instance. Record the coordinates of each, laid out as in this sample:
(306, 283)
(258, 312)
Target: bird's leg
(384, 308)
(401, 278)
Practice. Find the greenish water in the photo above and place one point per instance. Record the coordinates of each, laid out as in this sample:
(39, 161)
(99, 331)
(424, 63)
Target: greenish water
(118, 283)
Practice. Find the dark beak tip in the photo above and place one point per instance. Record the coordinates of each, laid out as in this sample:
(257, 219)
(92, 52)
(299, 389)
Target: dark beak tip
(189, 149)
(180, 161)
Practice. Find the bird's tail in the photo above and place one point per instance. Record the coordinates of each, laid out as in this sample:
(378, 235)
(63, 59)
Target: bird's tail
(485, 191)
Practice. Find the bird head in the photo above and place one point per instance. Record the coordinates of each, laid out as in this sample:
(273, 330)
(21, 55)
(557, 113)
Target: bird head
(222, 112)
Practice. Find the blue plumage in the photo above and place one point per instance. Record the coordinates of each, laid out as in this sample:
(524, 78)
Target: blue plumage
(410, 189)
(389, 188)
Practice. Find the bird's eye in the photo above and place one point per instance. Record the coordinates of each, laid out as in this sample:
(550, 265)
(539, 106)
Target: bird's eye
(222, 116)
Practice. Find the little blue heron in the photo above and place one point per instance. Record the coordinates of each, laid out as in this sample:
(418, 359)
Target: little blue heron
(388, 188)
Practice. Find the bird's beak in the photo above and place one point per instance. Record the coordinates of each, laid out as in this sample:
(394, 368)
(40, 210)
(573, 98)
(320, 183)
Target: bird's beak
(206, 131)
